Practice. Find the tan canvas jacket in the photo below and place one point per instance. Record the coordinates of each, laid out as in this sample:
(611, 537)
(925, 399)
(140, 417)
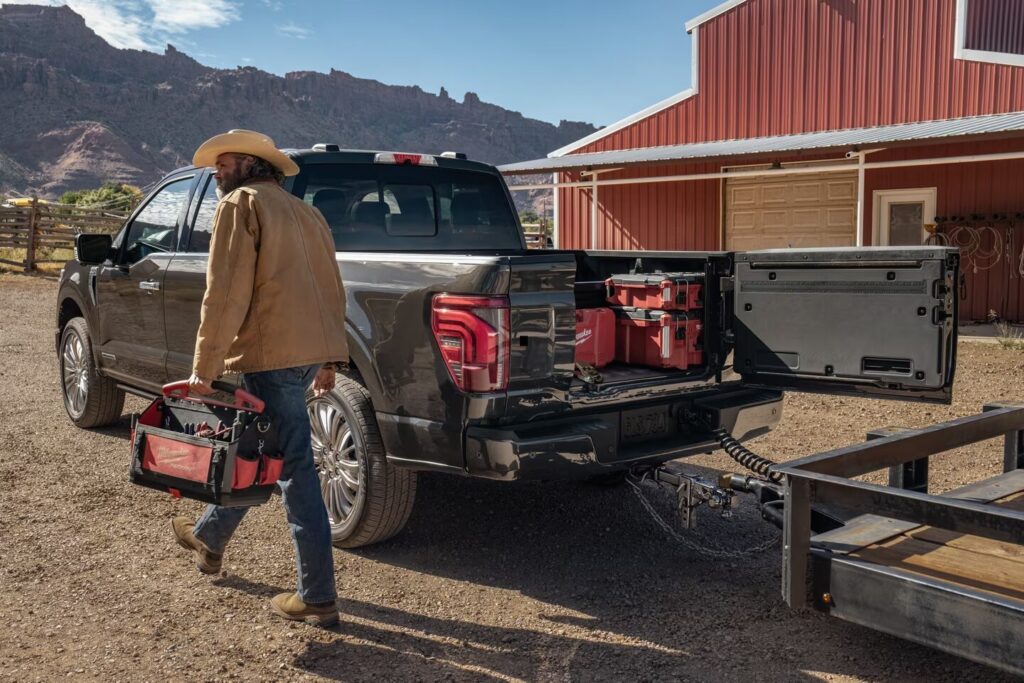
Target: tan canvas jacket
(274, 297)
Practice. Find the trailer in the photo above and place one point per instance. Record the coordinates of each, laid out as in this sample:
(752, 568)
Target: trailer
(946, 571)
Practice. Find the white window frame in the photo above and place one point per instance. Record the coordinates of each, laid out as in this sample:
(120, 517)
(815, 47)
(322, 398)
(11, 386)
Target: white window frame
(881, 199)
(961, 52)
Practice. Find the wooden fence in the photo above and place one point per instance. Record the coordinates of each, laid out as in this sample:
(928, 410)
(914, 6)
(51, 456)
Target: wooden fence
(39, 229)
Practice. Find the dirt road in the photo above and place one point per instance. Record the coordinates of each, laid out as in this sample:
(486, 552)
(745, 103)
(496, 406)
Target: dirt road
(488, 581)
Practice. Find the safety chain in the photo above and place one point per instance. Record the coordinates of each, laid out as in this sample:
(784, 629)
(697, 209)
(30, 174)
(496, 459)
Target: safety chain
(708, 549)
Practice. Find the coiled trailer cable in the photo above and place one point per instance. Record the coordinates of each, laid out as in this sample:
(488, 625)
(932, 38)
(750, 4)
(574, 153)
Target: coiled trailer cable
(746, 457)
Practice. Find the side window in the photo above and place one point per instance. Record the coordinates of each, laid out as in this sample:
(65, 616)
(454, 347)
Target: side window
(155, 228)
(202, 226)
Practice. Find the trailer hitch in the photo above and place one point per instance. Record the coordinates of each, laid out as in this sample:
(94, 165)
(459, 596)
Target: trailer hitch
(693, 491)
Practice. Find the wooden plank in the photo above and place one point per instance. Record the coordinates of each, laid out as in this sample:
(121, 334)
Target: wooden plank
(984, 572)
(964, 559)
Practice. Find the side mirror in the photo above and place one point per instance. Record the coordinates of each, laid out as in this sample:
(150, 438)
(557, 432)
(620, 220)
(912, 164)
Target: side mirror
(92, 249)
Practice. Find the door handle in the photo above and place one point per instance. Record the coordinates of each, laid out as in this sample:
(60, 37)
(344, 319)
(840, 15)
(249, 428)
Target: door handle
(149, 286)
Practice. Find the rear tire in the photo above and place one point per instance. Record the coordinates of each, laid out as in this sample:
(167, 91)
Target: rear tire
(90, 399)
(368, 500)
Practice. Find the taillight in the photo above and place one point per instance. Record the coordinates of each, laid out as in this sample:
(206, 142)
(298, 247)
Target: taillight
(472, 333)
(403, 159)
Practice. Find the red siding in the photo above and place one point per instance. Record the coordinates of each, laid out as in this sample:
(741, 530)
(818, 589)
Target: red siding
(987, 188)
(773, 67)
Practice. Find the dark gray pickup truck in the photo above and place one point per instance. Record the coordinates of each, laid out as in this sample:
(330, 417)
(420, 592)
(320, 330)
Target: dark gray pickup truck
(463, 342)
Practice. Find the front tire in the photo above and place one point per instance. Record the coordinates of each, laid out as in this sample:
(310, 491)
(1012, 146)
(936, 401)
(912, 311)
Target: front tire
(90, 399)
(368, 500)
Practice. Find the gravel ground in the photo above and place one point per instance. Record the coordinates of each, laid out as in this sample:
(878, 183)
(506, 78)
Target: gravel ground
(488, 581)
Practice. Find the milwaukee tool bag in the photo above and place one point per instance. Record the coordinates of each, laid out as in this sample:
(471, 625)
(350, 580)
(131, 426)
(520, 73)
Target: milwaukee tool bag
(595, 336)
(208, 450)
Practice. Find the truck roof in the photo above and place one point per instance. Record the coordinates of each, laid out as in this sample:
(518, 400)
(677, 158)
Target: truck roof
(364, 156)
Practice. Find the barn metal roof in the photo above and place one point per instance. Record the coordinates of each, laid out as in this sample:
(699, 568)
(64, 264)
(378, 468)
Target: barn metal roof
(842, 139)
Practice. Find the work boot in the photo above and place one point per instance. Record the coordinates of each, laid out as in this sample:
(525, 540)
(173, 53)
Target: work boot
(207, 561)
(290, 606)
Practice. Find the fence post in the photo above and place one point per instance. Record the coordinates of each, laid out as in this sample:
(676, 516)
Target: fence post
(30, 251)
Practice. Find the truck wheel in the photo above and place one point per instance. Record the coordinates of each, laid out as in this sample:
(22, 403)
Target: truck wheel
(367, 499)
(90, 399)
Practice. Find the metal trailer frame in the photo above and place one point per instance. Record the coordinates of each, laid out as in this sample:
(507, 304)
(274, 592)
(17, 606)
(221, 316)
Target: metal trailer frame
(975, 624)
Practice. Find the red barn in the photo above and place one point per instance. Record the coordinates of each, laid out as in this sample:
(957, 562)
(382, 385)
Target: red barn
(822, 123)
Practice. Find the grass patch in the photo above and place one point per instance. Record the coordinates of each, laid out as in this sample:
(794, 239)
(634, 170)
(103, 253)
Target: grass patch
(1010, 337)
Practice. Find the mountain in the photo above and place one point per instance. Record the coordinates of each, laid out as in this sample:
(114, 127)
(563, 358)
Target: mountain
(78, 111)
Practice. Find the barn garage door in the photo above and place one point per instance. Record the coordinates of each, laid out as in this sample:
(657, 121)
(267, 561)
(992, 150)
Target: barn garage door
(791, 211)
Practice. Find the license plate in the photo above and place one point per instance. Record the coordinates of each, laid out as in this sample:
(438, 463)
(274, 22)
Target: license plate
(645, 423)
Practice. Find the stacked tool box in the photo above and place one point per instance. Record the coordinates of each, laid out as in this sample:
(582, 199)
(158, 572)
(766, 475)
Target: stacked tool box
(653, 319)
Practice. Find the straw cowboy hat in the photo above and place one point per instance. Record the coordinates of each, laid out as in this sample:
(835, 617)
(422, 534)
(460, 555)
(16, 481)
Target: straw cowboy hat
(249, 142)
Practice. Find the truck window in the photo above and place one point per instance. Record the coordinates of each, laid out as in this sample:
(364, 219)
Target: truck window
(202, 224)
(155, 227)
(380, 207)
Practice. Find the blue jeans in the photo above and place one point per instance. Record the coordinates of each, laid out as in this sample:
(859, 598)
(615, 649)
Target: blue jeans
(284, 393)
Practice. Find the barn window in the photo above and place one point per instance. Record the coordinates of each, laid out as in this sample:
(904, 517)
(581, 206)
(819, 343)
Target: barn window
(990, 31)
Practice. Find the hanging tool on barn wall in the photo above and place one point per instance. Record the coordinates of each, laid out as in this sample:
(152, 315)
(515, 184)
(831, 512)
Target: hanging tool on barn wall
(985, 242)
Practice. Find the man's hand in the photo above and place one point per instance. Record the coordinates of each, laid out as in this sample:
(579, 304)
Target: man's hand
(199, 385)
(324, 381)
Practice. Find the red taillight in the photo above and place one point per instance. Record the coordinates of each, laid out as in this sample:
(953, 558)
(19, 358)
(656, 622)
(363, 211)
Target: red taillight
(472, 333)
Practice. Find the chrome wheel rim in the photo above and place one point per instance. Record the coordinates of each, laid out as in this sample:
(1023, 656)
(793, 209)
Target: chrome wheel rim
(74, 373)
(339, 462)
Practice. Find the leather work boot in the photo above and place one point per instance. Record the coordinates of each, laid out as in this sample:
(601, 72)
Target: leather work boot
(290, 606)
(207, 561)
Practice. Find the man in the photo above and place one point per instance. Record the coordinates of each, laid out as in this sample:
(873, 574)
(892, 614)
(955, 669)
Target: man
(274, 311)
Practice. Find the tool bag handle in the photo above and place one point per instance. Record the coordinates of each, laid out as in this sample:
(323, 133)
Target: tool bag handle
(243, 399)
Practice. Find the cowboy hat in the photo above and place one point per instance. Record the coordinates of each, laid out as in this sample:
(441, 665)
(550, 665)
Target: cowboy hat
(249, 142)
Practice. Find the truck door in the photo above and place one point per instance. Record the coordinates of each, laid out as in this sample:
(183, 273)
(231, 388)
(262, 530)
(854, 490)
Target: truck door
(186, 281)
(129, 288)
(875, 321)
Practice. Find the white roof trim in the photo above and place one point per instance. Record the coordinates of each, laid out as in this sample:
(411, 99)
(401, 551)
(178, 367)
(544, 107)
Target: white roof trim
(712, 13)
(622, 123)
(643, 113)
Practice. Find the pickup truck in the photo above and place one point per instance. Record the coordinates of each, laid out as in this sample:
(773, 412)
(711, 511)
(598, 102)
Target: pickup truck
(463, 341)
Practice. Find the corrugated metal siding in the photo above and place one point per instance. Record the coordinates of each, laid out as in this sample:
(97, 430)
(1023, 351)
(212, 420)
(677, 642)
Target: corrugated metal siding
(965, 189)
(774, 67)
(647, 216)
(995, 26)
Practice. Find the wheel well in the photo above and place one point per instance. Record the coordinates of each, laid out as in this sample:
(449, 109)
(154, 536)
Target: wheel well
(68, 310)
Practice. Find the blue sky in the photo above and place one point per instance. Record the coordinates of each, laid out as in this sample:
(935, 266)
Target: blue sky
(593, 61)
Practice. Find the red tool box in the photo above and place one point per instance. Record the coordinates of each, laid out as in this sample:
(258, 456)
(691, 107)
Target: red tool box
(208, 450)
(595, 336)
(661, 339)
(656, 291)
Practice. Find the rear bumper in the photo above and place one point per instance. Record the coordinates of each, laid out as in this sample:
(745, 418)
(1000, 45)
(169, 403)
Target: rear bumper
(585, 446)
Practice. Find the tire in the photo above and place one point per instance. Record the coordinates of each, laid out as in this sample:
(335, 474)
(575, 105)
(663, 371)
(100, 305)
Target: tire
(367, 499)
(90, 399)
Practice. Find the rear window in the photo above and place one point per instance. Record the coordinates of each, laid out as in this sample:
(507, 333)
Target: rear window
(382, 207)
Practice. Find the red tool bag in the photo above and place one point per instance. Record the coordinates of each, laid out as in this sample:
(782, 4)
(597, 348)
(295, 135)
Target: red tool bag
(657, 291)
(595, 336)
(661, 339)
(208, 450)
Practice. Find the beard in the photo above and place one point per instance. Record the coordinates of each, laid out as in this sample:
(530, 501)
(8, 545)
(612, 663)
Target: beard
(229, 182)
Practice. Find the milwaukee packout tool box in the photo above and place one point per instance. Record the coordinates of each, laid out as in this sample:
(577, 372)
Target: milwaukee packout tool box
(656, 291)
(208, 450)
(660, 339)
(595, 336)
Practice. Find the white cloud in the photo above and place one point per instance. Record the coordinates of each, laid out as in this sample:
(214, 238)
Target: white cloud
(275, 5)
(293, 30)
(146, 24)
(178, 16)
